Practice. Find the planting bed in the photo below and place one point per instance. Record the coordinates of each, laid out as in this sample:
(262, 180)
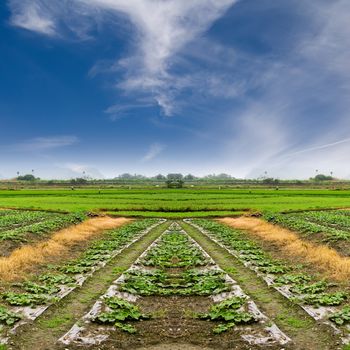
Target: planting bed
(331, 227)
(18, 226)
(24, 302)
(324, 301)
(174, 293)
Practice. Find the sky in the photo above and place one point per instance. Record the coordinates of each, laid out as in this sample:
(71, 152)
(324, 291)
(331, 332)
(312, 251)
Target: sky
(245, 87)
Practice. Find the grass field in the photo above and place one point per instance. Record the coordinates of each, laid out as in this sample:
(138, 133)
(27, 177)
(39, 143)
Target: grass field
(175, 203)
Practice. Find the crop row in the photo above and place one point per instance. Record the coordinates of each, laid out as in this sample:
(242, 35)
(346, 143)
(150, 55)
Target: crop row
(334, 225)
(175, 250)
(174, 265)
(29, 299)
(14, 218)
(321, 299)
(15, 226)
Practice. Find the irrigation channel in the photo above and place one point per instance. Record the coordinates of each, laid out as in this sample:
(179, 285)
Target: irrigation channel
(165, 285)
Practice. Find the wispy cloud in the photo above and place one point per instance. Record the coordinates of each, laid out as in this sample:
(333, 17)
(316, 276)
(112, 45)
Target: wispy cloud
(45, 143)
(32, 15)
(163, 29)
(154, 150)
(79, 170)
(317, 148)
(119, 111)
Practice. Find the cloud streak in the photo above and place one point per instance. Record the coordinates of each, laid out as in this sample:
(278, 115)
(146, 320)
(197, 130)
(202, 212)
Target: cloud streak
(46, 143)
(316, 148)
(154, 150)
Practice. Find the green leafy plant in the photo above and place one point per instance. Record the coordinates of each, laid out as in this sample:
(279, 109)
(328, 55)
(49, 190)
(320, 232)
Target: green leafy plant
(313, 288)
(175, 250)
(324, 299)
(341, 317)
(121, 310)
(8, 317)
(231, 311)
(25, 299)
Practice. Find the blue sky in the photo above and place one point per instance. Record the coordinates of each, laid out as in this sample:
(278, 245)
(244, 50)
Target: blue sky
(159, 86)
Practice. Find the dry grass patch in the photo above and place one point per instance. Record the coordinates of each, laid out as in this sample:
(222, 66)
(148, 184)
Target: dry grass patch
(326, 259)
(24, 259)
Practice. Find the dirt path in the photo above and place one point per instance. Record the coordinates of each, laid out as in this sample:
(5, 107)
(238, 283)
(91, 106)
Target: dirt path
(328, 260)
(291, 319)
(25, 259)
(44, 333)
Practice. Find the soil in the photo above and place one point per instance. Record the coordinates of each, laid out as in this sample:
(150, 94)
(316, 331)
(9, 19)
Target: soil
(173, 322)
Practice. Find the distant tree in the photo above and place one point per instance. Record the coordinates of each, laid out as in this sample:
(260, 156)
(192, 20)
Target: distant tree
(175, 176)
(160, 177)
(174, 181)
(221, 176)
(79, 181)
(27, 177)
(322, 177)
(271, 181)
(125, 176)
(189, 177)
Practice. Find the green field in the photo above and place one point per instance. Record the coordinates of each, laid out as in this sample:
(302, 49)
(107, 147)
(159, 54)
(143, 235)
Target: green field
(131, 284)
(175, 203)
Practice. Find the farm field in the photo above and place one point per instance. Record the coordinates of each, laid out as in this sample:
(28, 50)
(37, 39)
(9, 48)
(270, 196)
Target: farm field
(179, 203)
(161, 283)
(174, 175)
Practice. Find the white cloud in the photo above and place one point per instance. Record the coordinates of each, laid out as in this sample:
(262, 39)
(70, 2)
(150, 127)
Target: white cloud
(329, 44)
(80, 170)
(46, 143)
(154, 150)
(163, 29)
(31, 15)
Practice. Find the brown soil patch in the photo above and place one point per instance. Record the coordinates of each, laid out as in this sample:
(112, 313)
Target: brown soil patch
(28, 257)
(326, 259)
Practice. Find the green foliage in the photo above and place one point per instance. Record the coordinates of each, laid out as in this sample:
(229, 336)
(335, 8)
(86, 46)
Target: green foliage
(334, 225)
(103, 250)
(27, 177)
(223, 327)
(294, 279)
(44, 288)
(190, 282)
(121, 310)
(248, 251)
(56, 279)
(7, 317)
(229, 311)
(341, 317)
(313, 288)
(25, 299)
(322, 177)
(35, 288)
(310, 293)
(175, 202)
(324, 299)
(17, 225)
(175, 250)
